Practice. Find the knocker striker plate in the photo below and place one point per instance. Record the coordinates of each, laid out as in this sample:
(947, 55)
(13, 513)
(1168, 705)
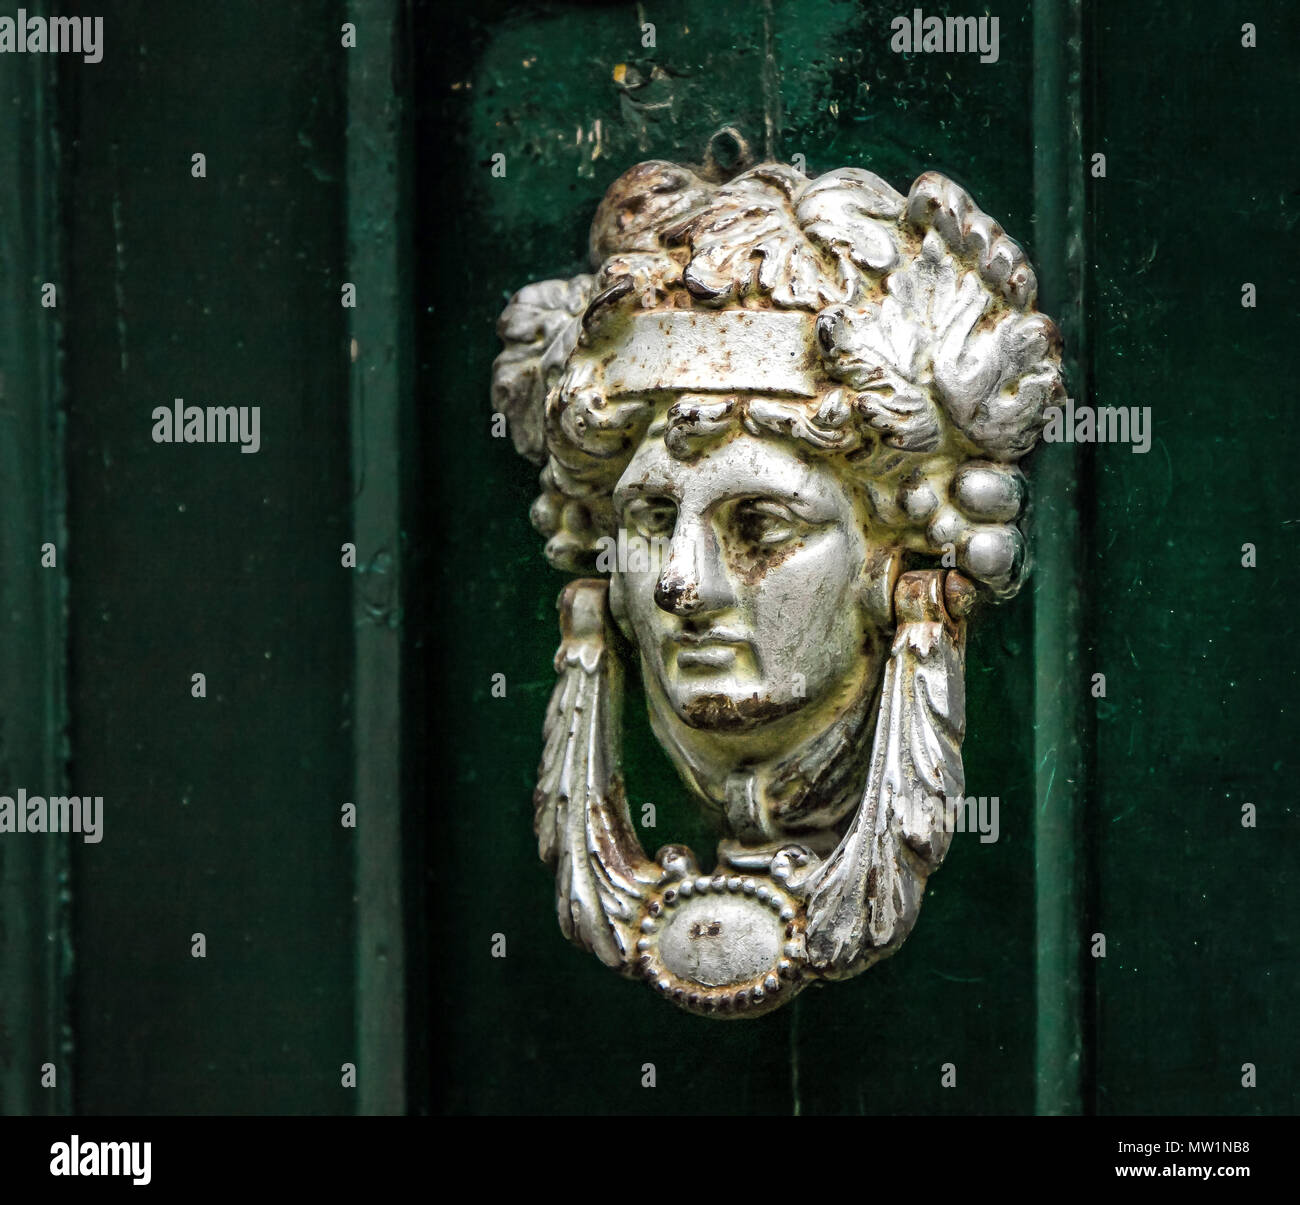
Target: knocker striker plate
(779, 426)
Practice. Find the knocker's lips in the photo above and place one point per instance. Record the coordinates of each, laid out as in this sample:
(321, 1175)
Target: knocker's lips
(714, 648)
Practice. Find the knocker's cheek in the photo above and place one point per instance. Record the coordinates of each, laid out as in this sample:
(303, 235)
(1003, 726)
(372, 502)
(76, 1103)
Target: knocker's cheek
(877, 584)
(639, 617)
(618, 604)
(631, 600)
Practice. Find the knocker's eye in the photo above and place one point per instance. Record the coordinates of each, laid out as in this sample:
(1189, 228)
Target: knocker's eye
(765, 523)
(653, 518)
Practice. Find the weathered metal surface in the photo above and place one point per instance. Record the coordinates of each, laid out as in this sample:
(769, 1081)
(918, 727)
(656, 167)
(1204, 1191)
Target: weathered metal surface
(784, 415)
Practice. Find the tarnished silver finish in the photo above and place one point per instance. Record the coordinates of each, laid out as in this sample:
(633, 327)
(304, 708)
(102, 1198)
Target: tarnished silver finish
(781, 419)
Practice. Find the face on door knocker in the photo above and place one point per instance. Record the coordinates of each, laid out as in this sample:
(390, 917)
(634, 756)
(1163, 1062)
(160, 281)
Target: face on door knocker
(779, 428)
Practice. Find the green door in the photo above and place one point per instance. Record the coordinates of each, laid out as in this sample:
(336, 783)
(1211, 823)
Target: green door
(1066, 967)
(353, 591)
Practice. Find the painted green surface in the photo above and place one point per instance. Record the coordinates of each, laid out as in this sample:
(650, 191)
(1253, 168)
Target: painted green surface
(1120, 815)
(222, 814)
(388, 730)
(1059, 529)
(547, 1028)
(1199, 653)
(1137, 835)
(35, 950)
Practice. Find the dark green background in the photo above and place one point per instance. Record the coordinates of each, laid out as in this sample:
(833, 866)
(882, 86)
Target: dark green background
(1119, 815)
(1134, 831)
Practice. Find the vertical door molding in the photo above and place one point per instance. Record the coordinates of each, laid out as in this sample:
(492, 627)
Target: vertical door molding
(35, 943)
(383, 443)
(1062, 607)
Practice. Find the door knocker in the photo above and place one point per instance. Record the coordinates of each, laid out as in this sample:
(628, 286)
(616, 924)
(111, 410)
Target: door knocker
(779, 427)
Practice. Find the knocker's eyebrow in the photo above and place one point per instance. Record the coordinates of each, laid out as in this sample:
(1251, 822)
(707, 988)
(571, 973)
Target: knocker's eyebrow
(802, 502)
(640, 488)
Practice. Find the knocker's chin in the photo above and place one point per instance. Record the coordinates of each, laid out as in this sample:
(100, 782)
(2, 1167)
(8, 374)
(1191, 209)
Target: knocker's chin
(772, 767)
(723, 713)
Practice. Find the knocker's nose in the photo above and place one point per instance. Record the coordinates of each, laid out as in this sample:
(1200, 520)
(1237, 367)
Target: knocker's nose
(690, 582)
(676, 596)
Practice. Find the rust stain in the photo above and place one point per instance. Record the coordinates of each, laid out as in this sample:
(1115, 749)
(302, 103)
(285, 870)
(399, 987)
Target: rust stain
(724, 714)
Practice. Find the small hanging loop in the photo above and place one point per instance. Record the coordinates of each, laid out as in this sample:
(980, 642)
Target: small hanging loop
(727, 154)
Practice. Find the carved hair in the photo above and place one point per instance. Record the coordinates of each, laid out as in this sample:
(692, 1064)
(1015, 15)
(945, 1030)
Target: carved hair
(939, 367)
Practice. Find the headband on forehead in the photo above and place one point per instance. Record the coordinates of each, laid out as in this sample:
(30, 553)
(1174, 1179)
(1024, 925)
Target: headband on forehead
(698, 351)
(846, 316)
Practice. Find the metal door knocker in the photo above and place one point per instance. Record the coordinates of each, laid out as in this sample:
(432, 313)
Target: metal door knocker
(779, 427)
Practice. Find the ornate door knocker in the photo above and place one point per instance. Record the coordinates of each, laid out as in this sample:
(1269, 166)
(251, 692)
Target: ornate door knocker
(779, 428)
